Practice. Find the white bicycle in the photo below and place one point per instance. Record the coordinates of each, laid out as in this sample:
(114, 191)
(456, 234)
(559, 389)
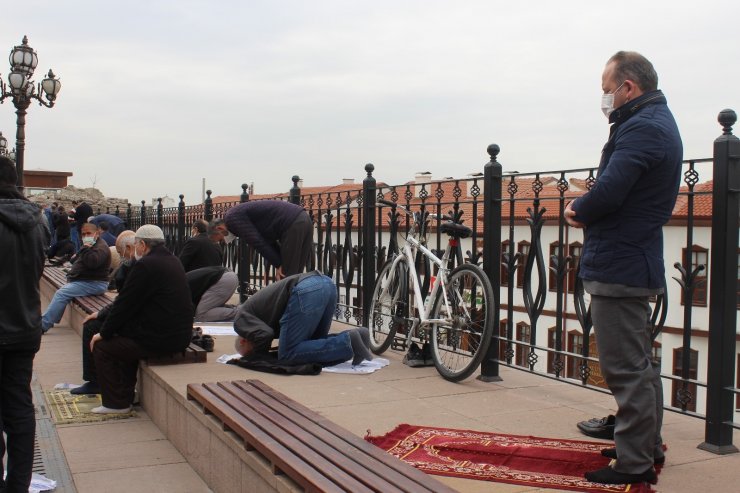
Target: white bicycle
(458, 319)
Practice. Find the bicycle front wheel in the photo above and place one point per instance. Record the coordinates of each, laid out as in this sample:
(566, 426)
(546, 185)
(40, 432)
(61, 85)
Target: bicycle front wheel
(461, 341)
(389, 304)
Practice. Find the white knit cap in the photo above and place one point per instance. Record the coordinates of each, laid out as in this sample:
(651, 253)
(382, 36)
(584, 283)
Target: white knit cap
(149, 232)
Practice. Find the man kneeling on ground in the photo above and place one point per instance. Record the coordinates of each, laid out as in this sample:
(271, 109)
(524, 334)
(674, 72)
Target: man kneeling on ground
(298, 312)
(152, 316)
(211, 288)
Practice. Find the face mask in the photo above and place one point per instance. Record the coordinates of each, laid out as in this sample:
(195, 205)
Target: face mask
(607, 101)
(229, 238)
(88, 240)
(137, 256)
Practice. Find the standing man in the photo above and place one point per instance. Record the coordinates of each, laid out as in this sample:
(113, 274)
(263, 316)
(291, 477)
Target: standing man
(82, 212)
(622, 263)
(281, 232)
(23, 237)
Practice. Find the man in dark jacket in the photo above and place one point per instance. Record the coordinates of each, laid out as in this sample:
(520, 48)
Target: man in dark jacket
(152, 316)
(280, 231)
(115, 224)
(93, 322)
(88, 276)
(23, 236)
(200, 250)
(622, 263)
(298, 311)
(211, 289)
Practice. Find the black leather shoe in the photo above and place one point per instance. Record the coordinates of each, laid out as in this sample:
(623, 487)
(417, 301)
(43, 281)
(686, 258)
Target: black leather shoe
(607, 475)
(612, 454)
(86, 388)
(598, 427)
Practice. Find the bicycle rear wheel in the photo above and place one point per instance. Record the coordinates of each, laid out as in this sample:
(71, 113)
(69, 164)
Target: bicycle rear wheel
(388, 305)
(460, 343)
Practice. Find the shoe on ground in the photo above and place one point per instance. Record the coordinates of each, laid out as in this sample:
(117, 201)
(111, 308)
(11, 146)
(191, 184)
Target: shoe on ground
(87, 388)
(611, 453)
(415, 357)
(607, 475)
(599, 427)
(108, 410)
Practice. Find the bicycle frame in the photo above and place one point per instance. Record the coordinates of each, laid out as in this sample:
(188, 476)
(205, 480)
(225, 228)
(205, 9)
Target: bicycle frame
(409, 250)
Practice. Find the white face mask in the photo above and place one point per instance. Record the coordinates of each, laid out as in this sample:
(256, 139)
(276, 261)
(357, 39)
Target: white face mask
(607, 101)
(229, 238)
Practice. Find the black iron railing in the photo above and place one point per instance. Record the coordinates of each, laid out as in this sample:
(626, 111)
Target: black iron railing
(543, 321)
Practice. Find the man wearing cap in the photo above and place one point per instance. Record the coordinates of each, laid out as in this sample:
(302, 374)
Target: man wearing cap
(152, 316)
(87, 277)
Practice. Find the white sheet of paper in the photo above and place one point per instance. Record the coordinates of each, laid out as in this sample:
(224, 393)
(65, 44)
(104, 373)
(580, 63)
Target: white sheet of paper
(217, 330)
(362, 369)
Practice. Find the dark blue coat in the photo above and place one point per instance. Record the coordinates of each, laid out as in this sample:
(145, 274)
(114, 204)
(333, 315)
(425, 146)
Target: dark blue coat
(633, 197)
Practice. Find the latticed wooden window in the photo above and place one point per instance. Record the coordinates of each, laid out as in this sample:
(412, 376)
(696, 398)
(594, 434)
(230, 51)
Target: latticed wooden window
(523, 332)
(699, 256)
(523, 249)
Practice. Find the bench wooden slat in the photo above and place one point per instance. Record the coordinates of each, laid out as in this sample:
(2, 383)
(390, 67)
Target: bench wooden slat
(255, 410)
(335, 451)
(341, 451)
(300, 470)
(416, 476)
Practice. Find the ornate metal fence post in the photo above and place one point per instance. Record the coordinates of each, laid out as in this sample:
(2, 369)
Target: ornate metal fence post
(129, 216)
(369, 192)
(160, 211)
(295, 191)
(142, 213)
(180, 223)
(492, 180)
(723, 289)
(208, 207)
(243, 255)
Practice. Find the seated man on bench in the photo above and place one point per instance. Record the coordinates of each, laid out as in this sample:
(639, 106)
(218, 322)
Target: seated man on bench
(298, 311)
(92, 323)
(151, 316)
(88, 276)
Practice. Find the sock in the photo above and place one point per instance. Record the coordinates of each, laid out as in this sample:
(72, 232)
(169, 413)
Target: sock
(365, 334)
(360, 351)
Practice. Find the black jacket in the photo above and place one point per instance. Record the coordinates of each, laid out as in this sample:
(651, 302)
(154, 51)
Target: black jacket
(91, 263)
(154, 309)
(200, 280)
(23, 235)
(61, 225)
(199, 251)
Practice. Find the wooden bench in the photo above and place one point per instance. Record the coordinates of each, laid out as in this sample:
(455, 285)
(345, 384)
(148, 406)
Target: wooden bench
(57, 277)
(317, 454)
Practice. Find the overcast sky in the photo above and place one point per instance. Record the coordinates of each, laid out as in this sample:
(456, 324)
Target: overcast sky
(157, 95)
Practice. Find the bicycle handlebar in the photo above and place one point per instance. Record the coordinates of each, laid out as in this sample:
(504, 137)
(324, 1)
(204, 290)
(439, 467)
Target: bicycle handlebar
(409, 213)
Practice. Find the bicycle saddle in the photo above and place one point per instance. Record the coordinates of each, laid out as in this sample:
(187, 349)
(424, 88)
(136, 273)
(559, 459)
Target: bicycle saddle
(456, 230)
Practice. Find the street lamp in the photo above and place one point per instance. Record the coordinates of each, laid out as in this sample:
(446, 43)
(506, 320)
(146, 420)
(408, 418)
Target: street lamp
(21, 89)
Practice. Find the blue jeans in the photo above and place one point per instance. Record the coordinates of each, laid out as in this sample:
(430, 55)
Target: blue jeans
(64, 295)
(304, 326)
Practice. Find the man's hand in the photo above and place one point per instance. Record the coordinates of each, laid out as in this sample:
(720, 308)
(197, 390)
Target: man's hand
(569, 216)
(92, 316)
(94, 339)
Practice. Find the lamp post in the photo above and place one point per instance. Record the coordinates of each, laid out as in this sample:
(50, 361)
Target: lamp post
(21, 89)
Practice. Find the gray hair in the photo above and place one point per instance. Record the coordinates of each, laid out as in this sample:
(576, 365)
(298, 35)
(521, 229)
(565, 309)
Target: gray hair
(214, 224)
(635, 67)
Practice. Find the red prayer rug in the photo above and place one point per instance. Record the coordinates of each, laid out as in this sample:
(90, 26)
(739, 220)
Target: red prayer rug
(515, 459)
